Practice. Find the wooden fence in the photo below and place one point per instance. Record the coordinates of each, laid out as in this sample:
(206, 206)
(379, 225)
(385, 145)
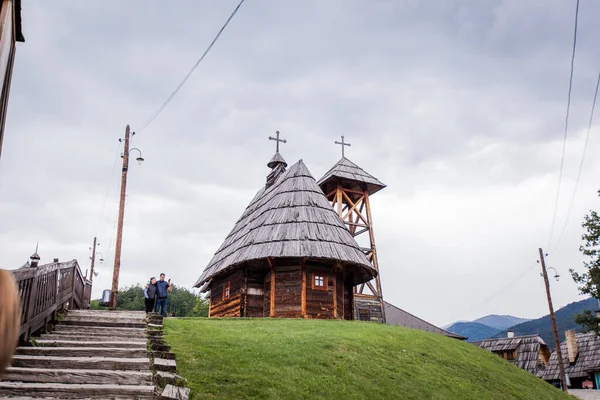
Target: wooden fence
(47, 289)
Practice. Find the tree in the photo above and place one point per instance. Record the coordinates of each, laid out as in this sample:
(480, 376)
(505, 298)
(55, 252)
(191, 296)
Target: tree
(589, 281)
(182, 302)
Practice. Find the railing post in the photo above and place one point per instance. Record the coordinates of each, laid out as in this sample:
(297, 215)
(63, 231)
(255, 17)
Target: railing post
(72, 298)
(31, 300)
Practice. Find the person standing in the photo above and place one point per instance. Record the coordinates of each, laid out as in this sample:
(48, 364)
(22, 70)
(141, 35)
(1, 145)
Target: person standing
(162, 292)
(150, 295)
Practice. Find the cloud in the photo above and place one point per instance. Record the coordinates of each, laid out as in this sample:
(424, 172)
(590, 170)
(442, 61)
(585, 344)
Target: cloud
(459, 109)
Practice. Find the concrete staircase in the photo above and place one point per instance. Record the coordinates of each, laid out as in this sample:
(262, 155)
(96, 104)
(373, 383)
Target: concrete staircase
(89, 355)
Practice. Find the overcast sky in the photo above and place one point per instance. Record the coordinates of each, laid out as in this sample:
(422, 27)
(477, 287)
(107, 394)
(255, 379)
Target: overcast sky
(458, 107)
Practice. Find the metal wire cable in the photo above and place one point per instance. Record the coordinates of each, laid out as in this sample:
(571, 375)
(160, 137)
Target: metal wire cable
(562, 158)
(162, 107)
(587, 139)
(495, 294)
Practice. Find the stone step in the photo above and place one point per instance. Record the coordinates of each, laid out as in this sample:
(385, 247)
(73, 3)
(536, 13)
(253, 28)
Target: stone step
(71, 391)
(100, 331)
(55, 362)
(79, 376)
(93, 343)
(107, 313)
(93, 338)
(83, 352)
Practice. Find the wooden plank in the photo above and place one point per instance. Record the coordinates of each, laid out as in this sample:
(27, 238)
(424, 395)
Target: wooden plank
(110, 363)
(175, 393)
(81, 352)
(94, 338)
(66, 391)
(104, 323)
(99, 331)
(91, 343)
(50, 375)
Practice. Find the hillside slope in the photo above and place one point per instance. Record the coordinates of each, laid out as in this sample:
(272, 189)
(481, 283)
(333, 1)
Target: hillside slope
(564, 321)
(500, 321)
(300, 359)
(472, 330)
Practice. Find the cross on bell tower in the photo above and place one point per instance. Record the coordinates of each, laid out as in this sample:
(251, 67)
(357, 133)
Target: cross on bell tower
(349, 188)
(344, 144)
(277, 140)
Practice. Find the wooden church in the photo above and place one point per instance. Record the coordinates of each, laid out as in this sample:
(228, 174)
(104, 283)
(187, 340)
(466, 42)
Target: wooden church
(289, 255)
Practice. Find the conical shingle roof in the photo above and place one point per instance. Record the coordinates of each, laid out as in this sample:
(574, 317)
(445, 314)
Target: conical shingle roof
(291, 218)
(345, 169)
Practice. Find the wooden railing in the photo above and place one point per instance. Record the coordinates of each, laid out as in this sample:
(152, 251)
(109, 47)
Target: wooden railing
(47, 289)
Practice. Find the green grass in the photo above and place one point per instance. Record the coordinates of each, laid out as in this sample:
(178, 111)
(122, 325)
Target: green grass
(309, 359)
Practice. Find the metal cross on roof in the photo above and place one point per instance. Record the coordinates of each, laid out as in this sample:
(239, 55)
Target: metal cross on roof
(343, 144)
(277, 140)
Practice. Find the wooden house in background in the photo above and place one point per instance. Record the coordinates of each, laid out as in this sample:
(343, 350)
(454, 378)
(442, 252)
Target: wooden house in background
(289, 255)
(529, 352)
(581, 359)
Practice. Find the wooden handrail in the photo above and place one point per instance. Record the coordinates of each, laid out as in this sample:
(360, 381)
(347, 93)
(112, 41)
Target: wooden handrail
(47, 289)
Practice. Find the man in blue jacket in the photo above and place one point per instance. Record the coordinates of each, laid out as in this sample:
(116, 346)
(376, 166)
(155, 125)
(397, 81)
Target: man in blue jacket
(162, 292)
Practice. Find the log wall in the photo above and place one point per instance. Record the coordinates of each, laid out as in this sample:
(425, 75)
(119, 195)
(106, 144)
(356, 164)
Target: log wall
(255, 294)
(288, 291)
(231, 307)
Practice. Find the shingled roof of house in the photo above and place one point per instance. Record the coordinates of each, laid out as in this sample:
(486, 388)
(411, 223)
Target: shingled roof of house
(345, 169)
(397, 316)
(528, 349)
(587, 361)
(290, 218)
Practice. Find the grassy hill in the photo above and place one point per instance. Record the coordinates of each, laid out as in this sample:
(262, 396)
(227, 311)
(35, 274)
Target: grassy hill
(300, 359)
(564, 321)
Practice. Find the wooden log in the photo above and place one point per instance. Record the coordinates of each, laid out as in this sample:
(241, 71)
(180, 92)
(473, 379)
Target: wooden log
(77, 391)
(82, 352)
(50, 375)
(163, 364)
(165, 378)
(110, 363)
(175, 393)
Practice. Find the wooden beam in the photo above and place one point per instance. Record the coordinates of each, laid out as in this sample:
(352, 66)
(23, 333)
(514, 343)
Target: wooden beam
(272, 294)
(339, 200)
(335, 314)
(303, 301)
(328, 195)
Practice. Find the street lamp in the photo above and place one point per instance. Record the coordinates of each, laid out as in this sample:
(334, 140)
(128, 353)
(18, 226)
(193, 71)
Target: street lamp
(101, 257)
(117, 265)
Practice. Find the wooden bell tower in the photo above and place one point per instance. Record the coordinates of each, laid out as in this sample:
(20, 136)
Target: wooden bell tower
(348, 187)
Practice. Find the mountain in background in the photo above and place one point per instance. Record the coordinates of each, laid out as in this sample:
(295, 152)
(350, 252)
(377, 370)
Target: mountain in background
(564, 321)
(500, 322)
(472, 330)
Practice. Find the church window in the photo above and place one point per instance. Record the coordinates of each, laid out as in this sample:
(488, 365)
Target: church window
(319, 282)
(226, 290)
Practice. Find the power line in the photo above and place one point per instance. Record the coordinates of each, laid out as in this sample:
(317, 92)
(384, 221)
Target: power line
(562, 158)
(587, 138)
(112, 174)
(496, 294)
(162, 107)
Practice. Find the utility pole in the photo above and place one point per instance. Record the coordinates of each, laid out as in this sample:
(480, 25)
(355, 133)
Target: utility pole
(559, 357)
(115, 280)
(93, 260)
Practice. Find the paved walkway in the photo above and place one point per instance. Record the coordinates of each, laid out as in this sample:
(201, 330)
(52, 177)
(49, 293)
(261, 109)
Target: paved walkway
(585, 394)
